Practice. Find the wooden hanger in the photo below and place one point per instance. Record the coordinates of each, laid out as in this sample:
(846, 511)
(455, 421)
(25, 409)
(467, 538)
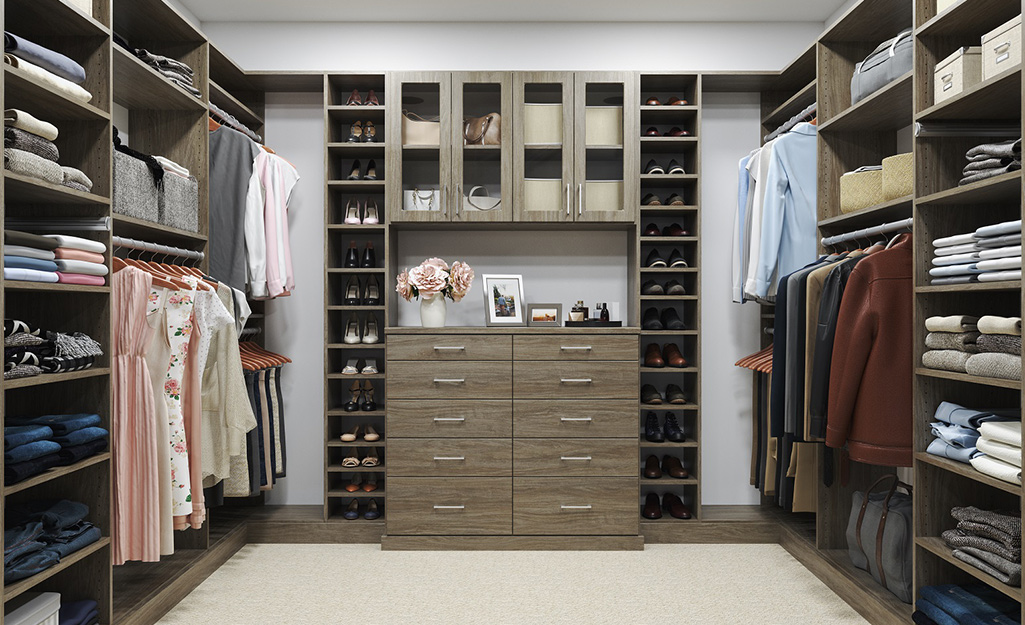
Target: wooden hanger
(119, 264)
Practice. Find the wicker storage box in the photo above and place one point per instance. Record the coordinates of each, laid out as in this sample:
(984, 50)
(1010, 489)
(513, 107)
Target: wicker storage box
(960, 71)
(135, 191)
(1001, 49)
(542, 124)
(604, 125)
(898, 176)
(179, 203)
(861, 188)
(33, 608)
(603, 195)
(543, 194)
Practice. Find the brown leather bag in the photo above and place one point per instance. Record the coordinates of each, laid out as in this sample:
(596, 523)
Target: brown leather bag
(485, 130)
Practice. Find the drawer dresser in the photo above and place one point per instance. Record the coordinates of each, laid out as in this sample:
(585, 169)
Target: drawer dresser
(512, 438)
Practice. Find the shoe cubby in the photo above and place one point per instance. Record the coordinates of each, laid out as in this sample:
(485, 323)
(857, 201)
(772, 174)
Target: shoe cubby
(689, 494)
(340, 241)
(665, 87)
(338, 359)
(686, 416)
(339, 422)
(337, 505)
(340, 87)
(339, 321)
(337, 483)
(338, 394)
(335, 455)
(338, 281)
(339, 202)
(686, 455)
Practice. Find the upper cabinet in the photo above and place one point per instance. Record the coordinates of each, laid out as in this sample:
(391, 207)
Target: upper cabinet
(502, 147)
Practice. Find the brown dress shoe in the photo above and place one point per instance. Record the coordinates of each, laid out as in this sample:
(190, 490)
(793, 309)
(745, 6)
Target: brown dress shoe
(674, 506)
(674, 101)
(652, 101)
(652, 132)
(651, 230)
(676, 131)
(653, 356)
(674, 230)
(652, 510)
(672, 466)
(651, 469)
(672, 356)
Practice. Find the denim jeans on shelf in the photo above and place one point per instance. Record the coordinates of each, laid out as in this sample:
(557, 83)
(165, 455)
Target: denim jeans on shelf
(939, 447)
(80, 437)
(31, 451)
(76, 453)
(60, 424)
(68, 542)
(937, 615)
(17, 471)
(24, 434)
(971, 604)
(21, 540)
(949, 412)
(55, 515)
(956, 435)
(30, 564)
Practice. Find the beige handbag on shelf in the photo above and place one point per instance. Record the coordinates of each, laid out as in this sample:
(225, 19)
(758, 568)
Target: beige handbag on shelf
(482, 203)
(485, 130)
(421, 200)
(419, 131)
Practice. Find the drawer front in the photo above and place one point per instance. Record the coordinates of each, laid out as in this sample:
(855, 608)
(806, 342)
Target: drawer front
(575, 380)
(449, 347)
(449, 506)
(408, 418)
(573, 458)
(557, 347)
(573, 506)
(449, 380)
(450, 457)
(541, 418)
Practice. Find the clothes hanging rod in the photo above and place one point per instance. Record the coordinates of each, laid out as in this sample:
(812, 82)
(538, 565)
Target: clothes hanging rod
(977, 129)
(866, 233)
(146, 246)
(788, 125)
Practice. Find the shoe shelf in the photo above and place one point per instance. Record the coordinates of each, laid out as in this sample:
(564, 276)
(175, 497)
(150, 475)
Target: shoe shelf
(360, 494)
(665, 480)
(361, 469)
(360, 444)
(684, 445)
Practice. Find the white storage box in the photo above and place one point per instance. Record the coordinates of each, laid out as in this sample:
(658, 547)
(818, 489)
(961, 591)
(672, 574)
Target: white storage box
(33, 608)
(603, 195)
(960, 71)
(943, 5)
(1001, 49)
(604, 125)
(544, 194)
(542, 124)
(86, 6)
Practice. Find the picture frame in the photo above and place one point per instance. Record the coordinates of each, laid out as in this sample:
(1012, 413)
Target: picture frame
(503, 300)
(544, 315)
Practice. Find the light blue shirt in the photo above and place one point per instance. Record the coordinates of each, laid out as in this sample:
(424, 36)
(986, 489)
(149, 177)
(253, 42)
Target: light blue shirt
(790, 213)
(740, 246)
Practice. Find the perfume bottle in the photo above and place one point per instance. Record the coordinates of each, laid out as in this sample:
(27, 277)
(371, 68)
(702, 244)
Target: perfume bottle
(604, 312)
(578, 312)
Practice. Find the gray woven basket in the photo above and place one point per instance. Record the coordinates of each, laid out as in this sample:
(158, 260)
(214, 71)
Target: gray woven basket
(135, 191)
(179, 203)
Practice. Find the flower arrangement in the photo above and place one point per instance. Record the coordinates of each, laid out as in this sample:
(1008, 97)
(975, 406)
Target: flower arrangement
(434, 276)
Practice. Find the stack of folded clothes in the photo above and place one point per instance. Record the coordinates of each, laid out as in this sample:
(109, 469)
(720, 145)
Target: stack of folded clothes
(37, 534)
(79, 261)
(992, 159)
(53, 69)
(988, 347)
(989, 254)
(956, 429)
(30, 351)
(85, 612)
(54, 258)
(969, 604)
(29, 150)
(1000, 447)
(173, 70)
(951, 341)
(988, 541)
(34, 444)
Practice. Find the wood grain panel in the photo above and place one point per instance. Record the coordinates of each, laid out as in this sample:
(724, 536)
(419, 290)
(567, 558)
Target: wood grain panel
(449, 380)
(449, 347)
(575, 348)
(450, 457)
(575, 458)
(576, 506)
(574, 419)
(575, 380)
(456, 506)
(512, 543)
(450, 419)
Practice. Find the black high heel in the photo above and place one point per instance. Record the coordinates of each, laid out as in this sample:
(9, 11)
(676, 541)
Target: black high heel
(352, 292)
(372, 293)
(369, 405)
(355, 173)
(371, 171)
(353, 404)
(356, 132)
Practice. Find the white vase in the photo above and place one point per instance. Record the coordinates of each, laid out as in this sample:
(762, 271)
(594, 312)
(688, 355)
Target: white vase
(432, 311)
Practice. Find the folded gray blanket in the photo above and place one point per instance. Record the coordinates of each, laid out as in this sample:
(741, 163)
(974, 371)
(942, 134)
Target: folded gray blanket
(945, 360)
(960, 341)
(29, 164)
(1000, 343)
(165, 62)
(186, 86)
(76, 177)
(986, 163)
(1007, 572)
(985, 174)
(21, 140)
(956, 539)
(1001, 149)
(1003, 366)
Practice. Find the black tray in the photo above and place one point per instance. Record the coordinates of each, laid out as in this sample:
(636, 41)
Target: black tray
(594, 323)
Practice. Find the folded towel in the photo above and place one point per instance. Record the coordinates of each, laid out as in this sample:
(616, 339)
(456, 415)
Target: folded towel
(1011, 147)
(956, 279)
(939, 447)
(29, 275)
(957, 259)
(80, 437)
(1006, 227)
(21, 262)
(1007, 572)
(77, 243)
(17, 435)
(1003, 366)
(80, 266)
(66, 253)
(999, 276)
(21, 120)
(991, 324)
(80, 279)
(954, 270)
(1000, 252)
(1008, 432)
(1000, 264)
(997, 468)
(953, 323)
(55, 82)
(28, 252)
(961, 341)
(16, 237)
(21, 140)
(951, 250)
(53, 62)
(1001, 451)
(31, 451)
(1003, 240)
(957, 239)
(72, 175)
(999, 343)
(28, 164)
(946, 360)
(956, 539)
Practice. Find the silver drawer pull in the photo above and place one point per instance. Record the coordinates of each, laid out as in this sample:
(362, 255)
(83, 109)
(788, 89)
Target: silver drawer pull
(449, 507)
(946, 77)
(576, 380)
(580, 458)
(1002, 47)
(449, 380)
(570, 348)
(442, 348)
(454, 458)
(450, 418)
(587, 507)
(576, 419)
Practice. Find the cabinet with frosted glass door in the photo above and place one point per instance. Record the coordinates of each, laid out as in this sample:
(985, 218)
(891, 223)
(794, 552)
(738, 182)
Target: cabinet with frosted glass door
(543, 143)
(482, 142)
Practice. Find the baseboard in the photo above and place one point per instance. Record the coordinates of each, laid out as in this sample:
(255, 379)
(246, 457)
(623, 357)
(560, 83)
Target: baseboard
(512, 543)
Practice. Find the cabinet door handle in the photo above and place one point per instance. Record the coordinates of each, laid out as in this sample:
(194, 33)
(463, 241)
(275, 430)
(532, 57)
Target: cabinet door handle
(574, 380)
(577, 458)
(449, 507)
(570, 348)
(444, 200)
(580, 199)
(459, 198)
(450, 418)
(576, 419)
(587, 507)
(569, 202)
(445, 348)
(453, 458)
(449, 381)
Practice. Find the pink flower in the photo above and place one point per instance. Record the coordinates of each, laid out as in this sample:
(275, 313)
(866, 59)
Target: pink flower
(180, 448)
(402, 286)
(428, 279)
(462, 279)
(171, 387)
(437, 262)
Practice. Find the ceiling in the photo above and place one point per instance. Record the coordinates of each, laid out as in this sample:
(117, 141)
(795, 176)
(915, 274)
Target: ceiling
(514, 11)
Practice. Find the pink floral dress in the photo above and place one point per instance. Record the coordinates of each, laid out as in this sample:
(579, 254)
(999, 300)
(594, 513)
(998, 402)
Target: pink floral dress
(179, 306)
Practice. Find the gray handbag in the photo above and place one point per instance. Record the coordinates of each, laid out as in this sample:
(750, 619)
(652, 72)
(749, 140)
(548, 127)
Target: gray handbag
(879, 536)
(888, 62)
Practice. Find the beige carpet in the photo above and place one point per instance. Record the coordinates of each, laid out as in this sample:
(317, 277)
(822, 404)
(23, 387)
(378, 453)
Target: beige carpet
(330, 584)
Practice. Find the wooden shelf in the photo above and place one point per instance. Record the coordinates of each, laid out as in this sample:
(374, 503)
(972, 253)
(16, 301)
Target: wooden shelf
(23, 91)
(968, 471)
(364, 228)
(794, 105)
(660, 239)
(232, 105)
(669, 270)
(353, 270)
(137, 86)
(670, 298)
(134, 228)
(358, 346)
(359, 444)
(688, 444)
(938, 548)
(670, 108)
(690, 139)
(343, 494)
(669, 209)
(971, 379)
(355, 308)
(670, 180)
(669, 407)
(52, 287)
(357, 149)
(976, 287)
(353, 112)
(969, 17)
(676, 370)
(996, 99)
(360, 469)
(1005, 187)
(56, 473)
(153, 20)
(340, 412)
(226, 72)
(356, 185)
(862, 22)
(55, 378)
(667, 481)
(19, 189)
(17, 588)
(57, 15)
(886, 109)
(355, 376)
(669, 332)
(894, 210)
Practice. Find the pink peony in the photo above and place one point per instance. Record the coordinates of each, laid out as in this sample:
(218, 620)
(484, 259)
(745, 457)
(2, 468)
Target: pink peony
(437, 262)
(462, 279)
(402, 286)
(428, 279)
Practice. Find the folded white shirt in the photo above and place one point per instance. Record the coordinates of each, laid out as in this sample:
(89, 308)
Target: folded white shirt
(1001, 451)
(999, 276)
(957, 249)
(1000, 264)
(81, 266)
(954, 270)
(1007, 227)
(78, 243)
(956, 259)
(1008, 432)
(29, 275)
(1000, 241)
(28, 252)
(997, 468)
(1000, 252)
(957, 239)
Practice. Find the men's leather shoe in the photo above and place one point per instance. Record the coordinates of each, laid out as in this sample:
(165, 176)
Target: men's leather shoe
(652, 288)
(652, 509)
(651, 132)
(675, 168)
(674, 395)
(675, 200)
(652, 430)
(674, 230)
(672, 357)
(650, 395)
(651, 469)
(673, 467)
(676, 259)
(651, 230)
(675, 101)
(672, 504)
(671, 320)
(652, 101)
(653, 356)
(672, 429)
(651, 200)
(673, 287)
(651, 320)
(676, 131)
(653, 168)
(655, 260)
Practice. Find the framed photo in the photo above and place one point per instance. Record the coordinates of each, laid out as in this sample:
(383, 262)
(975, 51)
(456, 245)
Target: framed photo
(544, 315)
(503, 300)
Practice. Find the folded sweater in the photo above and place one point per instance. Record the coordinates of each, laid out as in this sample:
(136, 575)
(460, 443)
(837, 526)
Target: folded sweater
(957, 259)
(997, 468)
(1008, 432)
(76, 177)
(1006, 227)
(80, 266)
(990, 365)
(957, 239)
(21, 140)
(16, 237)
(953, 323)
(33, 166)
(66, 253)
(1000, 252)
(80, 278)
(999, 343)
(22, 262)
(999, 276)
(960, 341)
(1011, 147)
(946, 360)
(51, 61)
(77, 243)
(991, 324)
(68, 88)
(29, 275)
(16, 118)
(999, 264)
(1004, 570)
(1001, 451)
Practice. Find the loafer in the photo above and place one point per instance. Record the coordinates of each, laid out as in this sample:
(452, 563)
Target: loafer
(674, 395)
(651, 230)
(652, 470)
(654, 260)
(672, 356)
(652, 430)
(676, 131)
(652, 288)
(652, 509)
(372, 511)
(674, 230)
(672, 467)
(352, 510)
(675, 168)
(673, 287)
(675, 101)
(651, 200)
(650, 395)
(676, 259)
(653, 356)
(652, 132)
(671, 320)
(674, 506)
(675, 200)
(651, 320)
(672, 429)
(653, 168)
(652, 101)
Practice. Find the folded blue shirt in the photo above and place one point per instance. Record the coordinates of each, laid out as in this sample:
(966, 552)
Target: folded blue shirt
(80, 437)
(956, 435)
(60, 424)
(949, 412)
(24, 262)
(31, 451)
(23, 434)
(51, 61)
(940, 447)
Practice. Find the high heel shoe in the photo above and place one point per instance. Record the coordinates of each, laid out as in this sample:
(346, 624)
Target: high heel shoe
(369, 367)
(370, 483)
(351, 257)
(370, 335)
(372, 512)
(369, 257)
(352, 212)
(356, 132)
(352, 336)
(352, 510)
(351, 435)
(354, 485)
(371, 214)
(354, 99)
(370, 434)
(371, 171)
(352, 292)
(373, 293)
(353, 404)
(356, 170)
(351, 458)
(372, 99)
(369, 405)
(369, 132)
(351, 367)
(371, 459)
